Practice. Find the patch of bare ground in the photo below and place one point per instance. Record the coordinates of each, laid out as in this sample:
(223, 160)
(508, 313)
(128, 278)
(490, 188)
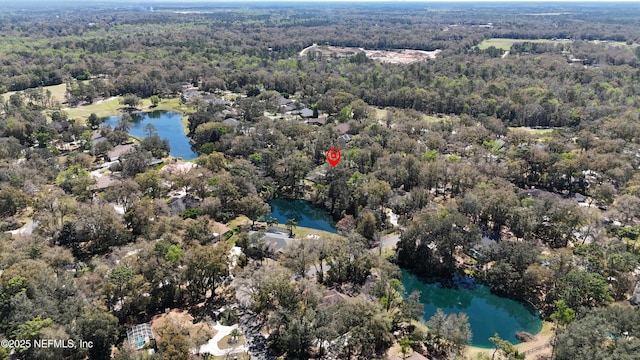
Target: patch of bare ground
(398, 56)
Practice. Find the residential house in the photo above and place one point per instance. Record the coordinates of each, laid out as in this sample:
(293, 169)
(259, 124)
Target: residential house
(342, 128)
(179, 205)
(345, 138)
(102, 183)
(231, 122)
(283, 101)
(540, 194)
(275, 242)
(61, 126)
(187, 96)
(220, 230)
(334, 297)
(320, 121)
(119, 150)
(306, 113)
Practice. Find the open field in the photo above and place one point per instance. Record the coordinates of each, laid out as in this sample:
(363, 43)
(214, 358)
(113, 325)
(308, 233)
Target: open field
(617, 43)
(108, 107)
(57, 92)
(111, 107)
(505, 44)
(532, 130)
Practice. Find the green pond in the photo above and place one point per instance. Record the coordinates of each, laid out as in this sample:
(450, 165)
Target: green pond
(168, 124)
(488, 313)
(305, 214)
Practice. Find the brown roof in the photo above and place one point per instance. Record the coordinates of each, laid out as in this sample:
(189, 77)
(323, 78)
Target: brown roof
(102, 183)
(343, 128)
(333, 297)
(220, 228)
(118, 151)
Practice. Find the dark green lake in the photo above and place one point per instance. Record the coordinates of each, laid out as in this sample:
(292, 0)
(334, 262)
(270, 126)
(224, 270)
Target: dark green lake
(305, 214)
(488, 313)
(169, 126)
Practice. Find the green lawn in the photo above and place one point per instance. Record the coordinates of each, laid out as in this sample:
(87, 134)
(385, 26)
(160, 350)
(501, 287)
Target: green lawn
(105, 108)
(617, 43)
(302, 232)
(110, 107)
(505, 44)
(532, 131)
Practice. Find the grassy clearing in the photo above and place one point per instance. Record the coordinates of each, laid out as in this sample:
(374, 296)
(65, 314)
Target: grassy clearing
(505, 44)
(111, 107)
(381, 115)
(617, 43)
(238, 222)
(107, 107)
(302, 232)
(223, 344)
(57, 92)
(432, 118)
(531, 130)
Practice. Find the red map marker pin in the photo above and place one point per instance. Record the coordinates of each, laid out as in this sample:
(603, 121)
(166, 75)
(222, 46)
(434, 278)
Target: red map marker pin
(333, 156)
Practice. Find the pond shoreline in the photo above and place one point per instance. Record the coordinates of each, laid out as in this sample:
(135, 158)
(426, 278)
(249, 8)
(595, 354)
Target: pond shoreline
(168, 125)
(488, 313)
(449, 283)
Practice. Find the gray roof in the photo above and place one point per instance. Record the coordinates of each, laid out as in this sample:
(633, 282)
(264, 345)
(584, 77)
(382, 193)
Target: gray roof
(283, 101)
(179, 205)
(306, 113)
(231, 122)
(275, 241)
(541, 194)
(317, 121)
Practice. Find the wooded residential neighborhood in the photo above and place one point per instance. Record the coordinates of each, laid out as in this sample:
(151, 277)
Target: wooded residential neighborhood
(166, 190)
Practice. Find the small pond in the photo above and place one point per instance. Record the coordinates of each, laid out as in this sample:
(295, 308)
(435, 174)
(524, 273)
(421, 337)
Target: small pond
(169, 126)
(303, 212)
(488, 313)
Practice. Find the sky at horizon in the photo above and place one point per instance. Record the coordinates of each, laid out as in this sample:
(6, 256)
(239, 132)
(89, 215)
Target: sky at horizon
(132, 2)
